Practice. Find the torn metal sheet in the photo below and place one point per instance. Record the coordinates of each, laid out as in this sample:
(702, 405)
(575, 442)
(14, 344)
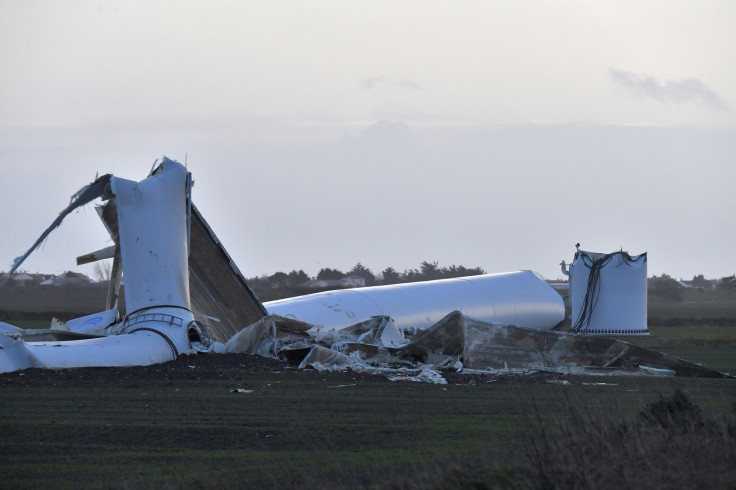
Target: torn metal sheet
(324, 359)
(219, 295)
(466, 345)
(109, 216)
(85, 195)
(94, 323)
(13, 354)
(380, 331)
(150, 231)
(268, 336)
(498, 347)
(184, 295)
(152, 223)
(217, 289)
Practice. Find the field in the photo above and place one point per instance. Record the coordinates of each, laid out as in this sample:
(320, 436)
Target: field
(181, 425)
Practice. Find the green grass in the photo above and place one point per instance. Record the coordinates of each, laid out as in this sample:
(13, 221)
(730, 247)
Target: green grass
(694, 333)
(103, 428)
(295, 428)
(715, 305)
(719, 358)
(711, 346)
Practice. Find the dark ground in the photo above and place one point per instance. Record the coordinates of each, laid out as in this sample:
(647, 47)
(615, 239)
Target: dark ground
(183, 424)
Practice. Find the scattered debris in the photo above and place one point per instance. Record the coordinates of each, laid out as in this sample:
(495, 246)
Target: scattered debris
(184, 295)
(460, 344)
(422, 375)
(240, 390)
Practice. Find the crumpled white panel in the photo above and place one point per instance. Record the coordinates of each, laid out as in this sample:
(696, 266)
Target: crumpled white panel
(13, 354)
(152, 218)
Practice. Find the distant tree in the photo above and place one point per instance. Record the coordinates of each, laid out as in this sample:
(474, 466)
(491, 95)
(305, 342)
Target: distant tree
(328, 274)
(727, 283)
(102, 270)
(259, 282)
(362, 271)
(700, 281)
(297, 277)
(430, 271)
(452, 271)
(390, 276)
(475, 271)
(411, 275)
(279, 280)
(665, 286)
(460, 271)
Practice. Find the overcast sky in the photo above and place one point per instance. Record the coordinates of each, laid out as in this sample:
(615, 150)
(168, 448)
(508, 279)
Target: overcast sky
(325, 133)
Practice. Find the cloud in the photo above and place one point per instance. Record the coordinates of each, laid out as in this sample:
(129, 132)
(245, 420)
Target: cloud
(677, 91)
(373, 82)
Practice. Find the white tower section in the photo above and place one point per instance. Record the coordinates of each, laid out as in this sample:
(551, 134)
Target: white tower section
(153, 230)
(519, 298)
(608, 293)
(152, 219)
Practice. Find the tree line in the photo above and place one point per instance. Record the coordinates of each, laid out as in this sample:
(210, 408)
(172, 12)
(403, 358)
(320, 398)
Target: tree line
(668, 287)
(427, 271)
(664, 285)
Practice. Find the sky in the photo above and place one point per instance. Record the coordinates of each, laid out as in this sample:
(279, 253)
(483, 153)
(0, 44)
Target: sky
(493, 134)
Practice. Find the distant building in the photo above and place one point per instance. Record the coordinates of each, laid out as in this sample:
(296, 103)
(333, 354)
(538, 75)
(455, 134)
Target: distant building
(708, 285)
(69, 278)
(22, 279)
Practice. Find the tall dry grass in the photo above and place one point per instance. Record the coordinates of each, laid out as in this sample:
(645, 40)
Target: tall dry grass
(669, 445)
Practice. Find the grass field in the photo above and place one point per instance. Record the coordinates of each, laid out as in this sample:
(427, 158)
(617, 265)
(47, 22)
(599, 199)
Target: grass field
(179, 425)
(711, 346)
(714, 307)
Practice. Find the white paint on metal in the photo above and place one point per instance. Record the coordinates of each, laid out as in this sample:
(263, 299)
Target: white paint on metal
(153, 229)
(608, 293)
(13, 355)
(94, 321)
(6, 327)
(140, 348)
(171, 323)
(519, 298)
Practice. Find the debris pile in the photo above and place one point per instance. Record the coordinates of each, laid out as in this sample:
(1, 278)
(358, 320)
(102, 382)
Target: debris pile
(456, 342)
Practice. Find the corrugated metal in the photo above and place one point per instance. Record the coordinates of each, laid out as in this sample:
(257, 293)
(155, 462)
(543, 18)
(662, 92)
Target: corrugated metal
(216, 286)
